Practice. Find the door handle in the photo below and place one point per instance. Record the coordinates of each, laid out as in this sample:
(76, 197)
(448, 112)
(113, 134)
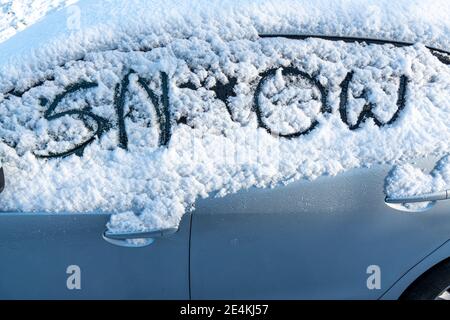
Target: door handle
(426, 197)
(140, 235)
(137, 239)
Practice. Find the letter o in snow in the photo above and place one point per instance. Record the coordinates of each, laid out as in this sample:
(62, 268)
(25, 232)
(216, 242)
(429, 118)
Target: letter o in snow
(258, 101)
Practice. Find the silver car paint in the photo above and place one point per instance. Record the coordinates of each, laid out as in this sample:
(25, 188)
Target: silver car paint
(310, 240)
(36, 249)
(306, 240)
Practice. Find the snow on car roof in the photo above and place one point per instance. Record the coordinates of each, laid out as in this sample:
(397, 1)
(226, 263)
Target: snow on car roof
(116, 22)
(151, 105)
(17, 15)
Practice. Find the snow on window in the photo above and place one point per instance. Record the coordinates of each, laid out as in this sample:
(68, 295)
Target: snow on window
(142, 132)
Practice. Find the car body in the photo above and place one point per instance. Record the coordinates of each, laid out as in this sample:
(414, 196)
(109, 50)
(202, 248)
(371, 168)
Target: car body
(256, 244)
(325, 238)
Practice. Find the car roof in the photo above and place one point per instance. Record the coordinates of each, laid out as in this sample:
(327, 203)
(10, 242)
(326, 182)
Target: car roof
(104, 23)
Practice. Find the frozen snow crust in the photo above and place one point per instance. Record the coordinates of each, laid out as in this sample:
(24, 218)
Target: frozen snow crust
(143, 123)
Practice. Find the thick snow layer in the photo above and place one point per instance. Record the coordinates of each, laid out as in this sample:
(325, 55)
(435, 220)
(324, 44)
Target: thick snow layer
(16, 15)
(110, 23)
(159, 103)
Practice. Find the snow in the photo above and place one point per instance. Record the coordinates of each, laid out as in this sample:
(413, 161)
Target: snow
(282, 120)
(16, 15)
(407, 180)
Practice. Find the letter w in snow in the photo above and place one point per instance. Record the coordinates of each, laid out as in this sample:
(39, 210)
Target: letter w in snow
(369, 106)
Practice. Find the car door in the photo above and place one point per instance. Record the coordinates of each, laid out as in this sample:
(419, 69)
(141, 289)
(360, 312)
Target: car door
(65, 256)
(321, 239)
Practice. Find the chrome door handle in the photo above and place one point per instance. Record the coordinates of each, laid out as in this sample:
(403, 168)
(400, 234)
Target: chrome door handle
(146, 238)
(140, 235)
(426, 197)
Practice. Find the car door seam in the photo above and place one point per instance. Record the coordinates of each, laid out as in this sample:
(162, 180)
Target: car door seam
(189, 255)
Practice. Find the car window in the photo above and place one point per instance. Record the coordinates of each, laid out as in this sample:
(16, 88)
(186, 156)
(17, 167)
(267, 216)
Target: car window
(145, 132)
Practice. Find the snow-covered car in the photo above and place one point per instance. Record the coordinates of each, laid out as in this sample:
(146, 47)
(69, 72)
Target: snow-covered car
(227, 150)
